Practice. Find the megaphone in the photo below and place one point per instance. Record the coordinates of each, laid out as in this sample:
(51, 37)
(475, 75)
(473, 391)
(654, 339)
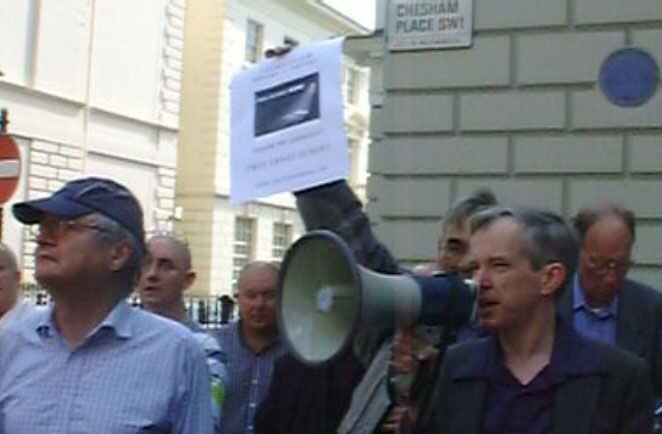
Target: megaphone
(323, 298)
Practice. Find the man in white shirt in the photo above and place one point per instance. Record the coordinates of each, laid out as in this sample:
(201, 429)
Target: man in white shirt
(11, 308)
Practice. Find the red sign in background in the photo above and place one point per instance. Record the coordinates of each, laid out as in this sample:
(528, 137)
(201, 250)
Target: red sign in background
(10, 167)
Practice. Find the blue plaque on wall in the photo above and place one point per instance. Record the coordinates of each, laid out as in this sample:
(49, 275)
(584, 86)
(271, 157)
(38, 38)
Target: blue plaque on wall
(629, 77)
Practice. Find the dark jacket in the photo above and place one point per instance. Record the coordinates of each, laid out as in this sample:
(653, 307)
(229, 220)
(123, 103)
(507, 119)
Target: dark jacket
(304, 399)
(638, 324)
(608, 392)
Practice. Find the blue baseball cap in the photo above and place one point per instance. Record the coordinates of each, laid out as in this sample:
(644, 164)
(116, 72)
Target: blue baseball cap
(85, 196)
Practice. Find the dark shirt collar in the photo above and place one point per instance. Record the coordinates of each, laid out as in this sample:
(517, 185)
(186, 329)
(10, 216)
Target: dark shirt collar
(570, 357)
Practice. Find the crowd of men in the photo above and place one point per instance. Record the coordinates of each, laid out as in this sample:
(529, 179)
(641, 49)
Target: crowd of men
(563, 341)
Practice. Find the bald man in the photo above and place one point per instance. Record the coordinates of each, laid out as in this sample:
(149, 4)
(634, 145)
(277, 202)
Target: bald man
(165, 275)
(11, 308)
(250, 347)
(602, 302)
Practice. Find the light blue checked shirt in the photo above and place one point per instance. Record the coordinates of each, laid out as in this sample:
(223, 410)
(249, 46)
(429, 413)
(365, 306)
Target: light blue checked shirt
(134, 373)
(594, 323)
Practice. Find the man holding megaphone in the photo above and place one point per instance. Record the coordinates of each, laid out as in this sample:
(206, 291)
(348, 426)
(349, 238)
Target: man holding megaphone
(306, 398)
(417, 353)
(333, 206)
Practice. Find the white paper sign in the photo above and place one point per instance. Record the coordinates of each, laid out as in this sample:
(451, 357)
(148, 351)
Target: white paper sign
(286, 123)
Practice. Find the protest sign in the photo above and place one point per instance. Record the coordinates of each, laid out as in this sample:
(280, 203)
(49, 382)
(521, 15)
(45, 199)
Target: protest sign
(286, 123)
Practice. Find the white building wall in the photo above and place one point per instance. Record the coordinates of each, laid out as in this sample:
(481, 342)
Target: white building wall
(265, 216)
(92, 87)
(223, 234)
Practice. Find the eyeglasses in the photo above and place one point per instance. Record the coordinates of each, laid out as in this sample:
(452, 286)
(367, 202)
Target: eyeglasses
(57, 228)
(601, 266)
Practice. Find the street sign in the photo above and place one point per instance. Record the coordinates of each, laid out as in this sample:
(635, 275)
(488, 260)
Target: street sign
(420, 25)
(10, 167)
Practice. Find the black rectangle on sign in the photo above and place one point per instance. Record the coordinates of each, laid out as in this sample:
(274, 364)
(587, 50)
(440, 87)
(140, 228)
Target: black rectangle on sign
(287, 104)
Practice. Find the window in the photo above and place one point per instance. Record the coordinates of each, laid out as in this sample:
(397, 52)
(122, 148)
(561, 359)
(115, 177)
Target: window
(353, 146)
(242, 249)
(352, 85)
(282, 237)
(254, 35)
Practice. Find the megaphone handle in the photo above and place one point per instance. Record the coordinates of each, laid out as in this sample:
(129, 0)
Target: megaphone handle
(427, 406)
(425, 383)
(398, 414)
(405, 424)
(404, 380)
(397, 420)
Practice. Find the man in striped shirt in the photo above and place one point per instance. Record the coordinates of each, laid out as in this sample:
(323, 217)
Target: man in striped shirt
(250, 346)
(91, 363)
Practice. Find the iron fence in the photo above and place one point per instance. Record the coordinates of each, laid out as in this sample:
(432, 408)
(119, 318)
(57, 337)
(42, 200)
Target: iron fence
(210, 311)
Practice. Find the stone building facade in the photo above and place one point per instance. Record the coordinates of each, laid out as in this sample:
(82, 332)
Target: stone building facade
(522, 112)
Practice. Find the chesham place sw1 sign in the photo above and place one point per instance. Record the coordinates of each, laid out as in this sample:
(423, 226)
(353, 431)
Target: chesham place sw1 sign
(419, 25)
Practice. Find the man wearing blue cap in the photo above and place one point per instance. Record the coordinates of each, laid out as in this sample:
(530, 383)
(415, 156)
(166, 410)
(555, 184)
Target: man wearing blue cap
(92, 363)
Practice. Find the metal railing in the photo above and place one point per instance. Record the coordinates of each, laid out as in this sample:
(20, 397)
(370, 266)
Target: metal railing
(211, 311)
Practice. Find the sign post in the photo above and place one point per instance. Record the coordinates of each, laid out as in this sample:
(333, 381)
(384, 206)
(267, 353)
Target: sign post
(10, 164)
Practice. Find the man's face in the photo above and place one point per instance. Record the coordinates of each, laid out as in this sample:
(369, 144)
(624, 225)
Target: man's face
(9, 279)
(68, 255)
(604, 259)
(509, 289)
(452, 249)
(164, 275)
(256, 301)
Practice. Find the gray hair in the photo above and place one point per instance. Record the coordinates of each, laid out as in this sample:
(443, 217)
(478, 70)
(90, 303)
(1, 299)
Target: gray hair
(465, 207)
(546, 236)
(111, 232)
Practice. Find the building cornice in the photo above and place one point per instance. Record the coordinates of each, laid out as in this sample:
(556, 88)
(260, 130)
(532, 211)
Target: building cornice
(340, 22)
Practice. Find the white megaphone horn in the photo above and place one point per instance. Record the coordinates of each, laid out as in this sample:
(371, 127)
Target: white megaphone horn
(323, 298)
